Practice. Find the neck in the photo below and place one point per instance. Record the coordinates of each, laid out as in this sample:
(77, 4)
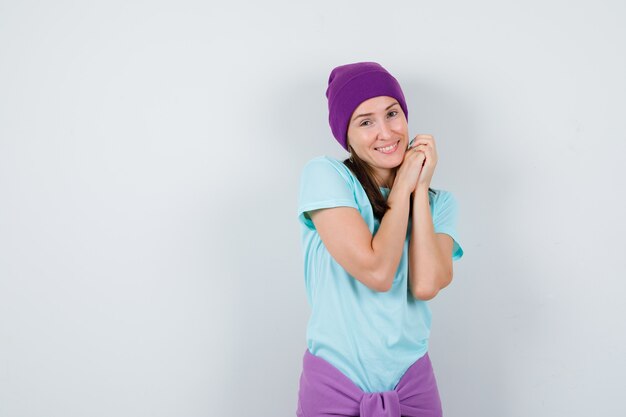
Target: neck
(385, 178)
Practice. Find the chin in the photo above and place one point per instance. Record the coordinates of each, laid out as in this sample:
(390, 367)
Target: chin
(391, 162)
(396, 157)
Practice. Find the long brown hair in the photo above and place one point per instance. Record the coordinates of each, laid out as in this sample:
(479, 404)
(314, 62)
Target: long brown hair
(365, 174)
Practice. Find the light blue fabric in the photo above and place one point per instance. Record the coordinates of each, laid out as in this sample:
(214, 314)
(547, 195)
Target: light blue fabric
(372, 337)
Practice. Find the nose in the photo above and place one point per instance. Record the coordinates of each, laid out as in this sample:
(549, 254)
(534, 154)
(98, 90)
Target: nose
(385, 131)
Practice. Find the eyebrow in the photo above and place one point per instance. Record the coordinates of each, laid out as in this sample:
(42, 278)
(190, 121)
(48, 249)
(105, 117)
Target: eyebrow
(369, 114)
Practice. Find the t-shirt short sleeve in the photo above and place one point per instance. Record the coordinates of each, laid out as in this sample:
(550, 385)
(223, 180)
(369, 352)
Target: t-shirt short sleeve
(323, 185)
(445, 220)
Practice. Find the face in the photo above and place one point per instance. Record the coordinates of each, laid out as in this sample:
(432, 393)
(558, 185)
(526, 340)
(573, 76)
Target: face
(376, 125)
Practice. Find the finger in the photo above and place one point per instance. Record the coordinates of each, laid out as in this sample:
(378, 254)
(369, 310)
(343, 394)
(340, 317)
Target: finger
(422, 139)
(417, 153)
(431, 151)
(423, 143)
(431, 154)
(428, 152)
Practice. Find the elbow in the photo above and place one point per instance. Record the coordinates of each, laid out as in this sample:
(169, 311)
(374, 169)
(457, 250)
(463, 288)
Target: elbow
(379, 280)
(447, 282)
(380, 283)
(428, 292)
(373, 281)
(425, 293)
(385, 285)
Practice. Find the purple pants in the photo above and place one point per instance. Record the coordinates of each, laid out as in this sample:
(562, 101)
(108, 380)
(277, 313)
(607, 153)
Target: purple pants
(326, 391)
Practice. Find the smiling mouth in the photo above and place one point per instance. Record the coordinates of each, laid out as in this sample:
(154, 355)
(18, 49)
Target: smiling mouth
(389, 148)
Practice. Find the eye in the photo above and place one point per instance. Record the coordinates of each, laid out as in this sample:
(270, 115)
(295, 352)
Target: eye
(392, 113)
(363, 123)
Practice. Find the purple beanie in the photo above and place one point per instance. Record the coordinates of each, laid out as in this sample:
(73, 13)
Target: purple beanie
(351, 84)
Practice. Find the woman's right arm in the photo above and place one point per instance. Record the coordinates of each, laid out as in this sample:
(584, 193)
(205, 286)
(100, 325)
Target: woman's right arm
(373, 260)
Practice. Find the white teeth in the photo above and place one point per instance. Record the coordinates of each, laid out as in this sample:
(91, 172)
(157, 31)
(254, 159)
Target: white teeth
(388, 148)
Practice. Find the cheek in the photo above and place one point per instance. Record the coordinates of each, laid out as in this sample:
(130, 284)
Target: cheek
(362, 137)
(400, 125)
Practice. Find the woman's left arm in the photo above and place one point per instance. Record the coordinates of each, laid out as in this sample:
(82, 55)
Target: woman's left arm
(430, 253)
(430, 260)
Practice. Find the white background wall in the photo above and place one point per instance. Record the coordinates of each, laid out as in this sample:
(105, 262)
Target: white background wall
(150, 261)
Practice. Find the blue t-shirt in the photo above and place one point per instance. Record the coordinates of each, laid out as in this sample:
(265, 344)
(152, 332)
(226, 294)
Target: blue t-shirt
(372, 337)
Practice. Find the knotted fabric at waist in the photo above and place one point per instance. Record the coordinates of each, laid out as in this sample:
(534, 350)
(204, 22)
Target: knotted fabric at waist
(326, 391)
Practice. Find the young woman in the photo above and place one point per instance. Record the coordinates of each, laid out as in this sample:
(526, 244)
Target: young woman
(378, 244)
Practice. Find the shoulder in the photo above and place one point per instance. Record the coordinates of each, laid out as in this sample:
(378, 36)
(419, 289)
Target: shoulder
(325, 166)
(441, 194)
(324, 160)
(442, 198)
(324, 182)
